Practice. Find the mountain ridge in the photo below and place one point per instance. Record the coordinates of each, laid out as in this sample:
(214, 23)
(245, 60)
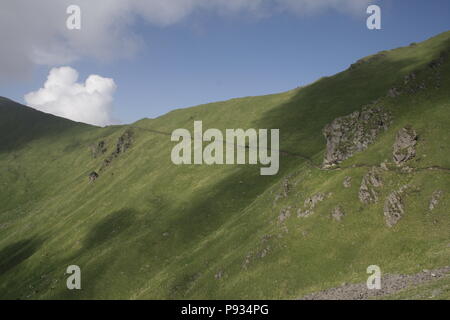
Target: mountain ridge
(149, 229)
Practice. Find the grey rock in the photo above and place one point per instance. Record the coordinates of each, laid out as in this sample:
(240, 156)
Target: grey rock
(407, 169)
(264, 252)
(347, 182)
(353, 133)
(284, 214)
(310, 203)
(370, 183)
(384, 166)
(301, 213)
(391, 283)
(435, 198)
(219, 275)
(393, 207)
(404, 146)
(393, 92)
(337, 213)
(314, 200)
(410, 77)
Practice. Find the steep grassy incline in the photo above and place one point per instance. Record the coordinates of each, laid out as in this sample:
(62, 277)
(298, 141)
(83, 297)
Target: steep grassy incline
(149, 229)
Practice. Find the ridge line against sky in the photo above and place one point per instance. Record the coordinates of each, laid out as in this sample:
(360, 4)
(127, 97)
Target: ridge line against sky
(151, 57)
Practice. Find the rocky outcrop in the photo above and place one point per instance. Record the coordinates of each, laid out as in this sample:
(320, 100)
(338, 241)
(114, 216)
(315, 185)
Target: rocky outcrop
(409, 77)
(98, 149)
(314, 200)
(124, 142)
(219, 275)
(405, 145)
(93, 176)
(383, 165)
(284, 214)
(370, 183)
(310, 203)
(304, 213)
(435, 198)
(347, 182)
(354, 133)
(286, 187)
(393, 208)
(394, 92)
(337, 213)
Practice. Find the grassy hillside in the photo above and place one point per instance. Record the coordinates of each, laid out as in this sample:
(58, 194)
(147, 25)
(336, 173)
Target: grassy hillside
(147, 228)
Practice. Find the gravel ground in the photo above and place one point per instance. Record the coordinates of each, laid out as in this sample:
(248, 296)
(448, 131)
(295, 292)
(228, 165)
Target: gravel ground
(390, 284)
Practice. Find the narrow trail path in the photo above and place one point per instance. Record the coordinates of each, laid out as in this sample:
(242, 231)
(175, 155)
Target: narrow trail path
(308, 160)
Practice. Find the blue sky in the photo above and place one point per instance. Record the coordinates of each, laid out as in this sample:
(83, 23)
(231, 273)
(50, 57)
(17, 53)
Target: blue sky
(206, 56)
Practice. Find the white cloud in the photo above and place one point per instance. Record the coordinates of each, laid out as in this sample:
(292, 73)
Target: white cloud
(34, 32)
(89, 102)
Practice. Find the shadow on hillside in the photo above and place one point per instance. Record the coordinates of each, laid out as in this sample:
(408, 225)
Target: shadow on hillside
(14, 254)
(300, 121)
(110, 227)
(104, 232)
(225, 202)
(19, 125)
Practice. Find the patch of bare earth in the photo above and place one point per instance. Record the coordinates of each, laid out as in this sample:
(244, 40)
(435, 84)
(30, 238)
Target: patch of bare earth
(390, 284)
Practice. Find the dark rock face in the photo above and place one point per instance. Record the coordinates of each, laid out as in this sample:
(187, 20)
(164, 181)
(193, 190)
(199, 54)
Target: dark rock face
(93, 176)
(371, 181)
(354, 133)
(404, 146)
(286, 187)
(124, 142)
(98, 149)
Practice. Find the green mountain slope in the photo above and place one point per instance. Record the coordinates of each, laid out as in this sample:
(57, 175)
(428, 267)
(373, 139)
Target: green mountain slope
(147, 228)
